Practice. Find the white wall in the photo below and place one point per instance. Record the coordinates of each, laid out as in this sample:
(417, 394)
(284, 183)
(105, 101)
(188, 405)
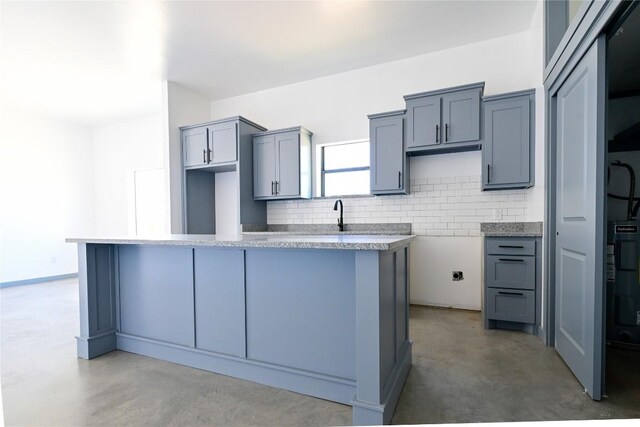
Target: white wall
(335, 108)
(46, 195)
(180, 107)
(226, 203)
(118, 150)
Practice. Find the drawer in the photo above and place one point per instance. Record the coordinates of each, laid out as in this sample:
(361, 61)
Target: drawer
(511, 246)
(510, 271)
(511, 305)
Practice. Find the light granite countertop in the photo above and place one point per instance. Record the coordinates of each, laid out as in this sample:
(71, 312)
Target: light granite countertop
(261, 240)
(512, 229)
(350, 228)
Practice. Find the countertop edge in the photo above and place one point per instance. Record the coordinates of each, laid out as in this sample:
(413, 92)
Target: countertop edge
(511, 234)
(374, 246)
(512, 229)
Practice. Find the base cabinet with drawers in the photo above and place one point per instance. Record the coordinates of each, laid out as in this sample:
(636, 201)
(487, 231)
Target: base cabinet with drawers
(512, 276)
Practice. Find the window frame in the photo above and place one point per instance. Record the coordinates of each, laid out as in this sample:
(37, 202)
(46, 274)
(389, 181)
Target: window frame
(324, 172)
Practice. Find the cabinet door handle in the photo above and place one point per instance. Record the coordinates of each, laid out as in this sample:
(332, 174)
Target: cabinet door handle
(272, 190)
(208, 155)
(488, 174)
(204, 156)
(510, 259)
(510, 293)
(437, 134)
(446, 132)
(511, 246)
(399, 179)
(277, 191)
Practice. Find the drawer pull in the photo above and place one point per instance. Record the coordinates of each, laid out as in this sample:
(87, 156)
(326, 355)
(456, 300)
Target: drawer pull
(510, 259)
(511, 293)
(511, 246)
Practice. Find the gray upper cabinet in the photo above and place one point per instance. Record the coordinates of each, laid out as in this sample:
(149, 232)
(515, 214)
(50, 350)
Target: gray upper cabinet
(209, 150)
(210, 144)
(223, 139)
(461, 116)
(264, 170)
(445, 120)
(508, 147)
(288, 164)
(194, 142)
(423, 122)
(389, 169)
(282, 164)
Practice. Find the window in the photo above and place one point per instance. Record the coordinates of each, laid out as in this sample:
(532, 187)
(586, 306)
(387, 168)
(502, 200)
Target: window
(344, 168)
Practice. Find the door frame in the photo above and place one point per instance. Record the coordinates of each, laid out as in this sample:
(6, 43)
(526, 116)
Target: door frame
(597, 18)
(604, 20)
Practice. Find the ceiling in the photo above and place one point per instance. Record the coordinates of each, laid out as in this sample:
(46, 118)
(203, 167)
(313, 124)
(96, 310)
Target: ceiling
(97, 62)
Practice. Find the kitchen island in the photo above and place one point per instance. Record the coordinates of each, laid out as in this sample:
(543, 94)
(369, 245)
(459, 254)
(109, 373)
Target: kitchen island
(322, 315)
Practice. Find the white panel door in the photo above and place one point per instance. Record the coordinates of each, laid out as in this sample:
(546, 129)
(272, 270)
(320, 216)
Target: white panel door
(580, 220)
(149, 205)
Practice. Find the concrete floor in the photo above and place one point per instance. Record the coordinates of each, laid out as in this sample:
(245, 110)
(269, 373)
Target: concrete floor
(461, 373)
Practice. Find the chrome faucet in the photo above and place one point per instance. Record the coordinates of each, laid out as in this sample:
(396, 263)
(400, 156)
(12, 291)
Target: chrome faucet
(340, 221)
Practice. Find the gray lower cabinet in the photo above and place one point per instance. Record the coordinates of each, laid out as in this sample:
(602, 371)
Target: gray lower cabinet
(445, 120)
(512, 277)
(282, 164)
(508, 146)
(389, 168)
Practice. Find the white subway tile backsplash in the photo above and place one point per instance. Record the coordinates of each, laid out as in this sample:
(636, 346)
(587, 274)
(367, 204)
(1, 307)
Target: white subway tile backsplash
(447, 206)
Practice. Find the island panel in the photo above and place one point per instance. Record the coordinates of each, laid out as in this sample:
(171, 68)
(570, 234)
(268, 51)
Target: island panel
(219, 300)
(156, 293)
(334, 322)
(300, 309)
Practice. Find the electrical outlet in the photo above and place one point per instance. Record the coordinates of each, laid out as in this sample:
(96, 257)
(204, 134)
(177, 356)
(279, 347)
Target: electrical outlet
(497, 214)
(456, 276)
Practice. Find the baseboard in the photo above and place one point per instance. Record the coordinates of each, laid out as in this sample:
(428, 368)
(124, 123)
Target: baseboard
(323, 386)
(38, 280)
